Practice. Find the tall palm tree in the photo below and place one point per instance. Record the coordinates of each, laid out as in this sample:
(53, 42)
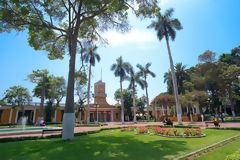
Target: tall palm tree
(144, 72)
(120, 69)
(166, 27)
(90, 57)
(134, 79)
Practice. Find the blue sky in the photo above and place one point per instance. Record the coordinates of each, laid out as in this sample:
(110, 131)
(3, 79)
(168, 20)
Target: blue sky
(207, 24)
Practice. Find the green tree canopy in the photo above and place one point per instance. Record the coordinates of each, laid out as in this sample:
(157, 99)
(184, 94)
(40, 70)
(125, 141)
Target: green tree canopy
(17, 96)
(128, 100)
(207, 56)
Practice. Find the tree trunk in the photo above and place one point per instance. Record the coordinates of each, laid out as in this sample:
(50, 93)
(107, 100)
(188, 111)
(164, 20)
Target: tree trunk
(175, 89)
(122, 101)
(148, 116)
(134, 104)
(69, 117)
(40, 115)
(89, 81)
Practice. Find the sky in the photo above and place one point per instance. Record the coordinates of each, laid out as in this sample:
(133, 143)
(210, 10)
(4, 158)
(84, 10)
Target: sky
(207, 25)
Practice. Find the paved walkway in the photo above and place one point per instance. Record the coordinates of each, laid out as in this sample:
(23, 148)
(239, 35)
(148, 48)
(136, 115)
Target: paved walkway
(119, 124)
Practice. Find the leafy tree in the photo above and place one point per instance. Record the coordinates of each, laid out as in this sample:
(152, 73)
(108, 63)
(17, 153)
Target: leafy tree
(231, 58)
(207, 56)
(134, 79)
(236, 52)
(61, 26)
(128, 101)
(141, 104)
(120, 69)
(201, 98)
(90, 57)
(166, 27)
(41, 78)
(207, 79)
(230, 77)
(144, 72)
(81, 91)
(2, 103)
(17, 96)
(57, 89)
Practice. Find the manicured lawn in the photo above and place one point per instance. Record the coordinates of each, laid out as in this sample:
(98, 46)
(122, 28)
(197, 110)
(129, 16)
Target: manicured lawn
(223, 152)
(110, 144)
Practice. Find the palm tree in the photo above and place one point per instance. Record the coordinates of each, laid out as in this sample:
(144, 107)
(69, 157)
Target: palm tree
(144, 72)
(134, 78)
(168, 79)
(181, 75)
(120, 70)
(90, 57)
(166, 27)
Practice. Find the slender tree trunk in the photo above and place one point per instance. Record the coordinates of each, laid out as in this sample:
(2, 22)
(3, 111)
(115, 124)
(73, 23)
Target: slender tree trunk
(40, 115)
(69, 117)
(231, 103)
(89, 81)
(175, 89)
(122, 101)
(148, 116)
(134, 104)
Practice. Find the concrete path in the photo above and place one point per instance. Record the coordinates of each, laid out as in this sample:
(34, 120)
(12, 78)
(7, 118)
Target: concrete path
(119, 124)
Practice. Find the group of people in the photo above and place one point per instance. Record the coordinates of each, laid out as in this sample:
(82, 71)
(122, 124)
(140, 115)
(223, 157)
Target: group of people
(167, 121)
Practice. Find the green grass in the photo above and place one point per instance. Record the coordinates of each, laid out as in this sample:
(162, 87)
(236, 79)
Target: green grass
(110, 144)
(222, 153)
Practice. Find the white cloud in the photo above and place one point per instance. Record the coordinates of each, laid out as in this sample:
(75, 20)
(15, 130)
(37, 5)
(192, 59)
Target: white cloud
(134, 36)
(164, 2)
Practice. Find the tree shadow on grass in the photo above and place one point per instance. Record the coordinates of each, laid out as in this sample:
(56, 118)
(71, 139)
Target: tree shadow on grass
(112, 147)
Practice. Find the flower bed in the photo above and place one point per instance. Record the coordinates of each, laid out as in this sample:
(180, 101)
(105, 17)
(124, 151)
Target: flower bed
(166, 132)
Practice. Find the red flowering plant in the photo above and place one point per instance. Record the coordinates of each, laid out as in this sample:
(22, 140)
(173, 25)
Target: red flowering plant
(187, 132)
(168, 132)
(192, 132)
(159, 130)
(176, 132)
(142, 130)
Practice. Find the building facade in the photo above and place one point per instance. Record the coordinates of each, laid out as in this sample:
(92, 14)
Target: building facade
(100, 110)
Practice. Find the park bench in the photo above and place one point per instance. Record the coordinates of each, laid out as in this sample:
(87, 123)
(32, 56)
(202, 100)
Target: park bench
(170, 125)
(50, 130)
(211, 122)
